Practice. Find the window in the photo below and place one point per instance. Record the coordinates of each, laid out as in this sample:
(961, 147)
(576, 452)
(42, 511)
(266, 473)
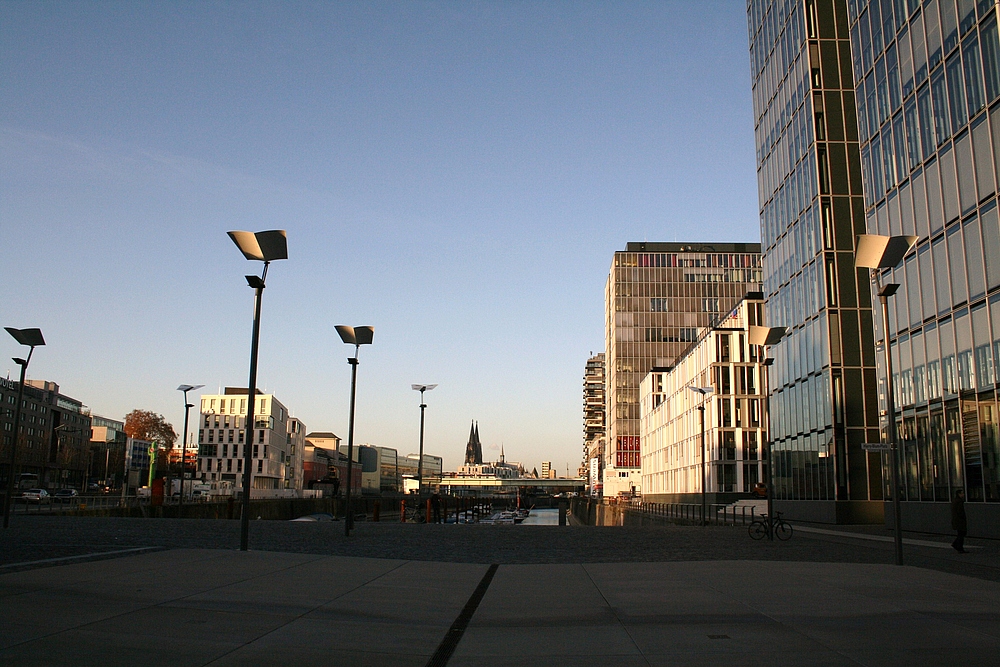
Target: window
(973, 76)
(260, 465)
(658, 305)
(710, 305)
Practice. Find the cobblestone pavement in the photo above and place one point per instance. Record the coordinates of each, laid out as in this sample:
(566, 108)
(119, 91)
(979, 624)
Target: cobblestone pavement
(37, 538)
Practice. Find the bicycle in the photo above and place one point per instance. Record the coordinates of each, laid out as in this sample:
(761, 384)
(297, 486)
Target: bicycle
(782, 529)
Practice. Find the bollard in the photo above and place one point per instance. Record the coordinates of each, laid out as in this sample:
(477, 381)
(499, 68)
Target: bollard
(376, 510)
(402, 511)
(427, 516)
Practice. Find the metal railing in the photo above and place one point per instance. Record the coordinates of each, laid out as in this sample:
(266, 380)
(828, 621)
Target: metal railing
(717, 514)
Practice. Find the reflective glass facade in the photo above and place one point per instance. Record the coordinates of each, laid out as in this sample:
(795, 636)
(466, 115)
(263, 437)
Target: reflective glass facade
(928, 97)
(823, 384)
(659, 298)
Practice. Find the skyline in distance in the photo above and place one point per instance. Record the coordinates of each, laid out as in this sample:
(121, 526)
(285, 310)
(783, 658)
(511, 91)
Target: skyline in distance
(457, 176)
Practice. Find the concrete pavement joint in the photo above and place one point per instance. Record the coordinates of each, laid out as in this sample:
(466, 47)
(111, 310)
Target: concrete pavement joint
(82, 558)
(615, 613)
(880, 538)
(450, 642)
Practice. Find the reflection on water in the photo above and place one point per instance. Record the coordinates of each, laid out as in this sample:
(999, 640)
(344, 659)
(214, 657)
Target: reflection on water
(543, 517)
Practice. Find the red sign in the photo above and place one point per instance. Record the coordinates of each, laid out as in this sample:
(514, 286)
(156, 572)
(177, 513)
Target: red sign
(627, 452)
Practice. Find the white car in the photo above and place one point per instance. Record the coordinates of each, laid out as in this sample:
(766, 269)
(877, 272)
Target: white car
(37, 496)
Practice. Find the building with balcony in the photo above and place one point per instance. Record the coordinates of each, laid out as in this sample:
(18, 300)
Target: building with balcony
(594, 422)
(735, 428)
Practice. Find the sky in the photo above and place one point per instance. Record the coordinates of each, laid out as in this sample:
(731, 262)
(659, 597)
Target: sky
(456, 174)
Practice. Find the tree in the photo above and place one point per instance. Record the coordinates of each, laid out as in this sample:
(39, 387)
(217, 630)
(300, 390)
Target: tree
(146, 425)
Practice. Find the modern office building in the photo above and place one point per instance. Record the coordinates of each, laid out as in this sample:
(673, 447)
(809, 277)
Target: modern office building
(107, 445)
(659, 298)
(928, 99)
(594, 422)
(221, 446)
(735, 430)
(824, 387)
(53, 447)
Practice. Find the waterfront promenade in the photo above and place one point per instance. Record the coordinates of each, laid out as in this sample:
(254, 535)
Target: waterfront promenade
(393, 594)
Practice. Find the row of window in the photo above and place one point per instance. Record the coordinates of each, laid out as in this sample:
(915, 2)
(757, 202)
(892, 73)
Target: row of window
(926, 123)
(943, 358)
(952, 448)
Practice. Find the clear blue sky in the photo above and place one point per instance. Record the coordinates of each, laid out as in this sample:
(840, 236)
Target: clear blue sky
(457, 174)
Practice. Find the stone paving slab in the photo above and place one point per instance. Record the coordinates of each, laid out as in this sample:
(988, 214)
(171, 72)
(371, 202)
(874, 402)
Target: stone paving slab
(220, 608)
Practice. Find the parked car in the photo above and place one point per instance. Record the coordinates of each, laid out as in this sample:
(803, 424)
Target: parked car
(37, 496)
(64, 495)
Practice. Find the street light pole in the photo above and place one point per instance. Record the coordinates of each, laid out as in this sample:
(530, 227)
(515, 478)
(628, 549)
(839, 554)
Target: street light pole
(766, 337)
(356, 336)
(420, 462)
(704, 391)
(883, 296)
(187, 411)
(32, 338)
(875, 252)
(262, 247)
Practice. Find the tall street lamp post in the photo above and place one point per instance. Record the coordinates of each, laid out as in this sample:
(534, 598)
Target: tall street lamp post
(420, 462)
(765, 337)
(262, 247)
(32, 338)
(184, 441)
(876, 252)
(704, 391)
(356, 336)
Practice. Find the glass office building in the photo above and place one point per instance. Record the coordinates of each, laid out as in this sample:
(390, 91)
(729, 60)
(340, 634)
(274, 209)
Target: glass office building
(928, 101)
(824, 386)
(659, 298)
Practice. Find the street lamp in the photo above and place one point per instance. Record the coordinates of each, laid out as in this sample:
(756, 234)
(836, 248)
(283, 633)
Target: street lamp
(32, 338)
(875, 252)
(187, 409)
(704, 391)
(767, 337)
(356, 336)
(261, 247)
(420, 463)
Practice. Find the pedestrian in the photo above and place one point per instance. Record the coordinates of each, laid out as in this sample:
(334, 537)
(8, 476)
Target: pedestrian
(958, 521)
(436, 507)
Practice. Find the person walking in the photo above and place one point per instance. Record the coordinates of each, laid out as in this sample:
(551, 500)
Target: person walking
(958, 521)
(436, 507)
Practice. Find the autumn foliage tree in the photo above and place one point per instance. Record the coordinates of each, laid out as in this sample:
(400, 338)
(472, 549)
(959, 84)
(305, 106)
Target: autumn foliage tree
(146, 425)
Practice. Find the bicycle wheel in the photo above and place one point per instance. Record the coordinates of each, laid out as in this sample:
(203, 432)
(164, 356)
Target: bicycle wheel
(758, 530)
(783, 531)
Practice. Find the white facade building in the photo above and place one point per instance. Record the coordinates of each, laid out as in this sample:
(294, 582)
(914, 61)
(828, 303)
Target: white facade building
(671, 460)
(278, 441)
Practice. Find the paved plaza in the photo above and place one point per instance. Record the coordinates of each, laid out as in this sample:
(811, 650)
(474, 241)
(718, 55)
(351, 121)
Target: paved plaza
(171, 595)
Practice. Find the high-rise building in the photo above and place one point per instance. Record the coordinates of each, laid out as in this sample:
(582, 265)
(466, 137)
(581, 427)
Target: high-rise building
(278, 448)
(659, 298)
(594, 423)
(824, 388)
(928, 84)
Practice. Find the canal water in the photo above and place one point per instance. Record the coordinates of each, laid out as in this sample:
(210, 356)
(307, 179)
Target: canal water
(542, 517)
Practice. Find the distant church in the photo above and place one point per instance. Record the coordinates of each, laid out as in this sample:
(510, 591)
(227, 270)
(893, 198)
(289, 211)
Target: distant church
(474, 450)
(476, 467)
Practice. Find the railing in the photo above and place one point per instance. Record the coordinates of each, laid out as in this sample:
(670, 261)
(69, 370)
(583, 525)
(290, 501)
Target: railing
(717, 514)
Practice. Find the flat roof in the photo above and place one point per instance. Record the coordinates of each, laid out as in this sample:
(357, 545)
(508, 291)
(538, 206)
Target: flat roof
(646, 246)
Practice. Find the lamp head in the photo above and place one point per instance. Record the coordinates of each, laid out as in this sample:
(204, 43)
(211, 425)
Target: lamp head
(262, 246)
(20, 362)
(888, 289)
(189, 387)
(876, 251)
(422, 387)
(704, 391)
(29, 337)
(356, 335)
(765, 335)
